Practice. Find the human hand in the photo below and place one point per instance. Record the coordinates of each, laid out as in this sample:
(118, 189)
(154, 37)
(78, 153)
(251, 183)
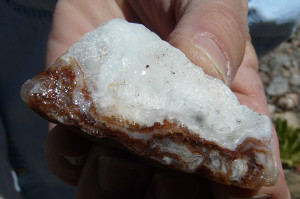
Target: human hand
(214, 35)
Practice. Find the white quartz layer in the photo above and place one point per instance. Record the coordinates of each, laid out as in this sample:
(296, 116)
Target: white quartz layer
(132, 74)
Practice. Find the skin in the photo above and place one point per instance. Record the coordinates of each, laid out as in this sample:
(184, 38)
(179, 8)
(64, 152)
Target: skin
(224, 50)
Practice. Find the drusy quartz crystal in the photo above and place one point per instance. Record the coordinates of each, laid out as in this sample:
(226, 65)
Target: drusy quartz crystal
(122, 81)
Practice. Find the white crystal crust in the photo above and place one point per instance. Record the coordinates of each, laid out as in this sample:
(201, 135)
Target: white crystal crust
(132, 74)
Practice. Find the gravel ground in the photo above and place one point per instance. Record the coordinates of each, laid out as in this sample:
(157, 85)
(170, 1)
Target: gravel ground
(280, 73)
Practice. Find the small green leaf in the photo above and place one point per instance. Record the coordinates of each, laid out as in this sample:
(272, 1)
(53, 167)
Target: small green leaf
(289, 142)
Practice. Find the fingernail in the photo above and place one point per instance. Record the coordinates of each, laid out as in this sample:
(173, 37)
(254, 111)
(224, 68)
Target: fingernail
(75, 161)
(118, 176)
(263, 196)
(214, 56)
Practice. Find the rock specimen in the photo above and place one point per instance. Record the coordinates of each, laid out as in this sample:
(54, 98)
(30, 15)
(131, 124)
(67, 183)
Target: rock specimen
(122, 81)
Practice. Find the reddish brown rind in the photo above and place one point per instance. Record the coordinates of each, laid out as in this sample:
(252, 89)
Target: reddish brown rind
(54, 101)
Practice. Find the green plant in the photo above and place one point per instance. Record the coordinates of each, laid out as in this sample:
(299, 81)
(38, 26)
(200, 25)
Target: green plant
(289, 143)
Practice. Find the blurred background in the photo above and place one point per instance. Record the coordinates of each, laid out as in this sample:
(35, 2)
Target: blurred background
(280, 73)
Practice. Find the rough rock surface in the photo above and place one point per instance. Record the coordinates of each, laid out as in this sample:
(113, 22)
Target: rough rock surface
(153, 100)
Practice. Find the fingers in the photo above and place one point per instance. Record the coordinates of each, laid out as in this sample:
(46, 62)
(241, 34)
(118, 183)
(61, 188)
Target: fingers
(156, 15)
(112, 173)
(212, 34)
(66, 153)
(97, 169)
(178, 185)
(100, 171)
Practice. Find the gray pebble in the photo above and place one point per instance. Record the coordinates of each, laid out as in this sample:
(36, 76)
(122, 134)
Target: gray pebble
(295, 79)
(271, 108)
(288, 101)
(278, 86)
(284, 60)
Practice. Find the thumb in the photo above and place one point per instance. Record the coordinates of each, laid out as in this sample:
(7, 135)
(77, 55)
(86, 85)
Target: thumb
(212, 34)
